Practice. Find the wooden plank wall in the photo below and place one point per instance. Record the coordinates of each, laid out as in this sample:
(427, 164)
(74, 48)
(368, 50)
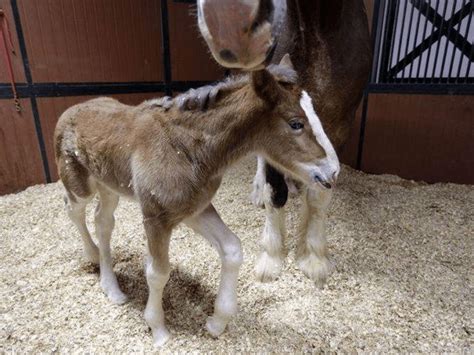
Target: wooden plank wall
(418, 137)
(76, 41)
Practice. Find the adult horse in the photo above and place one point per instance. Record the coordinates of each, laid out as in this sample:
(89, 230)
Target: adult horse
(329, 45)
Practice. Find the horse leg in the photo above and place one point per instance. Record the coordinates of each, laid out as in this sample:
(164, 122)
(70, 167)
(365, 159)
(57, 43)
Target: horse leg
(258, 183)
(270, 261)
(312, 253)
(157, 275)
(76, 210)
(209, 224)
(104, 225)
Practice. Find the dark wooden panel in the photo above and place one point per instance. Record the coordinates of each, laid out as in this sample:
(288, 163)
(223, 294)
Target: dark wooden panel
(93, 40)
(190, 57)
(51, 108)
(16, 59)
(369, 6)
(20, 160)
(427, 138)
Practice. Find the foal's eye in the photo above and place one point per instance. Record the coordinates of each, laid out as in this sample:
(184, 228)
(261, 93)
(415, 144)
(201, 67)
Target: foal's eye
(296, 125)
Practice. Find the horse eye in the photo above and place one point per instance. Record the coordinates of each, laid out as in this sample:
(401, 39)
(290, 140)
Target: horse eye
(296, 125)
(254, 26)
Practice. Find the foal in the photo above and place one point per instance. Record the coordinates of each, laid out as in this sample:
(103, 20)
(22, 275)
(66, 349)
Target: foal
(172, 160)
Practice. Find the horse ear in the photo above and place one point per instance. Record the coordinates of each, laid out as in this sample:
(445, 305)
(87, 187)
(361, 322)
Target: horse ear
(286, 61)
(265, 85)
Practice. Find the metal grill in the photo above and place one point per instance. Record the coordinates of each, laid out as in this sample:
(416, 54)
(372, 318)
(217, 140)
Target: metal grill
(423, 46)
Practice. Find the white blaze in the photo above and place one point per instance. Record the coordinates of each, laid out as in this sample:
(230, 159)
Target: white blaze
(330, 164)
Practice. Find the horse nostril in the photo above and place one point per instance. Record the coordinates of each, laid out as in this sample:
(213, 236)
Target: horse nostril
(326, 184)
(228, 56)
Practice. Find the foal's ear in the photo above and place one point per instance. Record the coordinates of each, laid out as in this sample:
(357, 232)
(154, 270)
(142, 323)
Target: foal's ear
(265, 86)
(286, 62)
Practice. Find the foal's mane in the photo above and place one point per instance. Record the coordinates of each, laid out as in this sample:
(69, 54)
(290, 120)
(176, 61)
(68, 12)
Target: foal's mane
(206, 97)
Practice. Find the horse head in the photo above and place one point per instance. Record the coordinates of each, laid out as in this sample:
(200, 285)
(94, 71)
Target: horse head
(241, 33)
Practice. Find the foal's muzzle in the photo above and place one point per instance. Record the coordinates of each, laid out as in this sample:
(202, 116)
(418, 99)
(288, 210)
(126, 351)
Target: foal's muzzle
(326, 183)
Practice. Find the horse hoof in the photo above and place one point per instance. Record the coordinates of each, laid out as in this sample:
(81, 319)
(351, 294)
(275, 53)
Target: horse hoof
(215, 326)
(315, 268)
(92, 255)
(161, 337)
(268, 268)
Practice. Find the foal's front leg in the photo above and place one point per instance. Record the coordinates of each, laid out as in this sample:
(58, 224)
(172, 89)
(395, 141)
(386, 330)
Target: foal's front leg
(258, 183)
(157, 275)
(209, 224)
(312, 253)
(275, 195)
(270, 260)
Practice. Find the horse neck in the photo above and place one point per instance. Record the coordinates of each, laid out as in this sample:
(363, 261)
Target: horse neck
(226, 133)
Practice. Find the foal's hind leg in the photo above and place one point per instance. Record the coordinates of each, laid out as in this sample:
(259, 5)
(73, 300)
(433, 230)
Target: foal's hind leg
(209, 224)
(104, 224)
(312, 253)
(76, 210)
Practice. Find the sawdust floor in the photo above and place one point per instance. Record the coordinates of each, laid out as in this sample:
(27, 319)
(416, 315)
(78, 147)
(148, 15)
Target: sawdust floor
(403, 282)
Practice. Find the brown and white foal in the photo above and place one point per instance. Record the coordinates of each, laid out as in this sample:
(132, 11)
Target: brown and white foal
(171, 160)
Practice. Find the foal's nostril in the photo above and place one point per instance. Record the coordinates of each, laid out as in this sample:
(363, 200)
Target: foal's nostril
(326, 184)
(228, 56)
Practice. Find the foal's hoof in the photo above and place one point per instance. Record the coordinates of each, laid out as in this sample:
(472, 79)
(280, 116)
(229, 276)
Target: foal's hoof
(268, 268)
(315, 268)
(113, 292)
(215, 326)
(160, 337)
(117, 297)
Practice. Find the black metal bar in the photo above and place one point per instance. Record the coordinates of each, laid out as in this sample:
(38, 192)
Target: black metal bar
(422, 89)
(438, 42)
(423, 44)
(165, 43)
(418, 50)
(410, 56)
(446, 47)
(29, 80)
(108, 88)
(465, 35)
(387, 39)
(376, 27)
(434, 13)
(377, 23)
(443, 24)
(471, 52)
(408, 36)
(456, 45)
(392, 38)
(402, 27)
